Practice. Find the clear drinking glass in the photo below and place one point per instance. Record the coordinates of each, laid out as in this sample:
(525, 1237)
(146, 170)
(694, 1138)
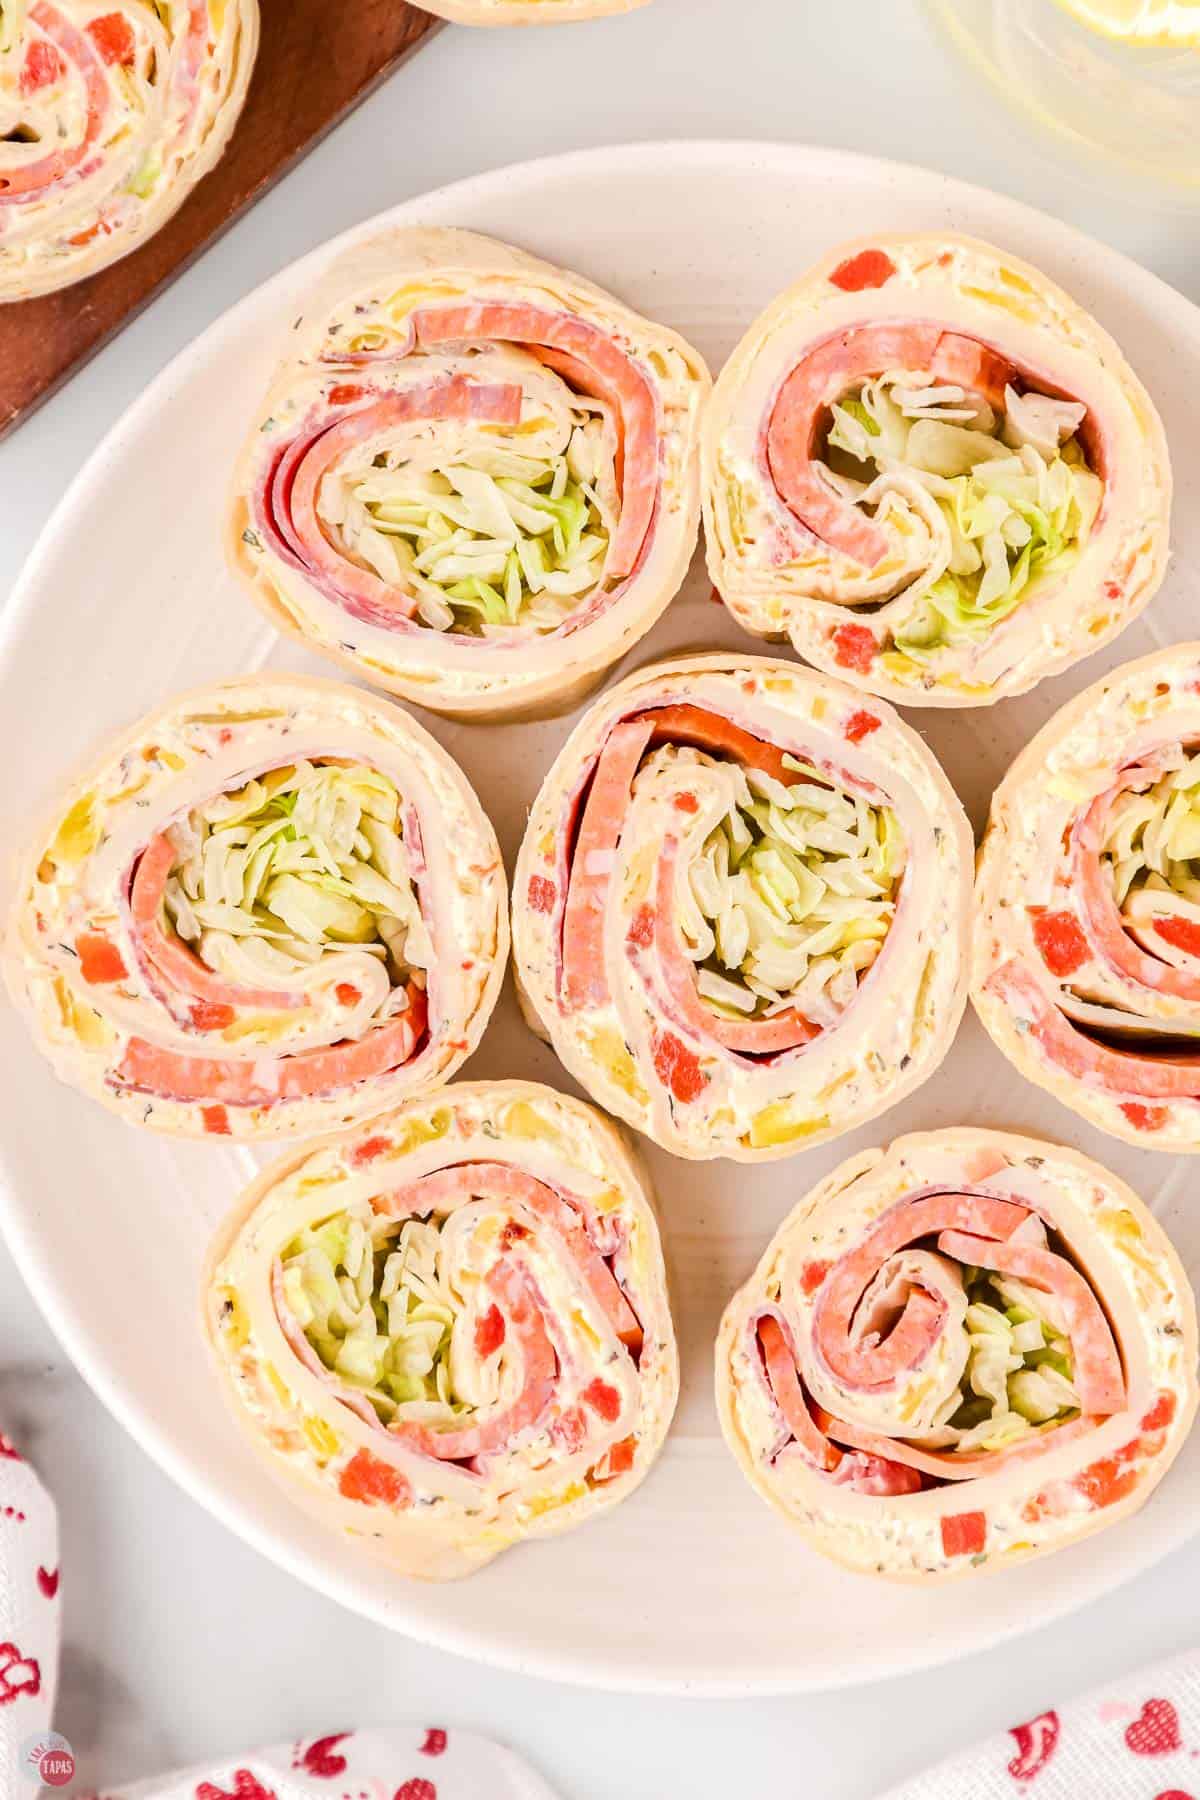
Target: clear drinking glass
(1119, 78)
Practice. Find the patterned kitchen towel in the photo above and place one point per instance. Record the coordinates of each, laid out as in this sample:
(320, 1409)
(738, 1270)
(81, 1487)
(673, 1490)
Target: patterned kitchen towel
(28, 1612)
(430, 1764)
(1139, 1740)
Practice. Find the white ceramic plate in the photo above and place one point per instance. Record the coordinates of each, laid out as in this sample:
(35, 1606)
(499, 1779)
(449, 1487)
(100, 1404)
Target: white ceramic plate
(693, 1585)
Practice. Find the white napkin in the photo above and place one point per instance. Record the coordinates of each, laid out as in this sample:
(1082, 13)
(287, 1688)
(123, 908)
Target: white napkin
(1139, 1740)
(410, 1764)
(29, 1609)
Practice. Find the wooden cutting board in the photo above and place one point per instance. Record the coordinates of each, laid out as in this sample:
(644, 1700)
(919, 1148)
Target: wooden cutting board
(316, 61)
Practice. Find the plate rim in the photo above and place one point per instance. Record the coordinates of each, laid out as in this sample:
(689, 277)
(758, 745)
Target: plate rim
(595, 1669)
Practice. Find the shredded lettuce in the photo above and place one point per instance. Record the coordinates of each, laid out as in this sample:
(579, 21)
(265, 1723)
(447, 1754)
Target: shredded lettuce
(1019, 1371)
(300, 865)
(1015, 491)
(791, 896)
(490, 526)
(1151, 845)
(370, 1295)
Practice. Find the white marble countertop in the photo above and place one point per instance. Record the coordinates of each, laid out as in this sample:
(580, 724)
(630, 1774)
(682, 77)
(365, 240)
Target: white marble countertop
(181, 1641)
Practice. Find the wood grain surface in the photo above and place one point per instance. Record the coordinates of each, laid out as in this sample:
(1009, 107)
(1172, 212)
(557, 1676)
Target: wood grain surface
(316, 62)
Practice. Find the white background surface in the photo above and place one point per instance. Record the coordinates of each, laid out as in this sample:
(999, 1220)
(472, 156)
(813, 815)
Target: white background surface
(182, 1642)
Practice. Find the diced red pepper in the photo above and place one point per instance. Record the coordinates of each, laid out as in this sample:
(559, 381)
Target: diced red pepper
(678, 1068)
(99, 959)
(964, 1534)
(687, 803)
(1144, 1118)
(813, 1274)
(869, 269)
(1161, 1413)
(42, 65)
(1106, 1482)
(347, 995)
(489, 1333)
(1183, 933)
(1060, 940)
(344, 393)
(211, 1015)
(365, 1477)
(641, 932)
(369, 1149)
(860, 725)
(854, 648)
(542, 894)
(216, 1120)
(620, 1457)
(113, 37)
(604, 1400)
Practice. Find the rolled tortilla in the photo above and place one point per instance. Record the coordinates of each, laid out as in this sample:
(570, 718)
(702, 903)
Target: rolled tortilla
(929, 468)
(110, 112)
(525, 12)
(1086, 960)
(741, 906)
(273, 906)
(958, 1353)
(508, 1366)
(475, 479)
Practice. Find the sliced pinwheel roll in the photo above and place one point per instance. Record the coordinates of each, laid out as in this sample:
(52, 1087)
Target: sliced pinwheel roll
(741, 907)
(963, 1351)
(475, 479)
(274, 906)
(449, 1330)
(525, 12)
(110, 112)
(929, 468)
(1086, 960)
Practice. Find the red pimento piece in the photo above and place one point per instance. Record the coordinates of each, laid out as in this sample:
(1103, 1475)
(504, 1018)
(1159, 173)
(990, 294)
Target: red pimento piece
(1060, 941)
(345, 393)
(41, 66)
(604, 1400)
(99, 959)
(216, 1120)
(1161, 1413)
(369, 1149)
(964, 1534)
(416, 1789)
(1184, 934)
(435, 1741)
(489, 1333)
(641, 932)
(813, 1274)
(542, 894)
(113, 37)
(211, 1015)
(869, 269)
(854, 648)
(678, 1068)
(1109, 1480)
(620, 1458)
(365, 1477)
(85, 237)
(1144, 1118)
(860, 725)
(349, 996)
(686, 803)
(570, 1430)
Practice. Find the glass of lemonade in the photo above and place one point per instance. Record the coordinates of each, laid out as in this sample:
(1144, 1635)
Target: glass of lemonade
(1120, 78)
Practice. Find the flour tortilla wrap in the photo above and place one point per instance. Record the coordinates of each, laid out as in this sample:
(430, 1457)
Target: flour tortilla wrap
(741, 906)
(449, 1330)
(525, 12)
(110, 112)
(475, 479)
(929, 468)
(1086, 961)
(958, 1353)
(274, 906)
